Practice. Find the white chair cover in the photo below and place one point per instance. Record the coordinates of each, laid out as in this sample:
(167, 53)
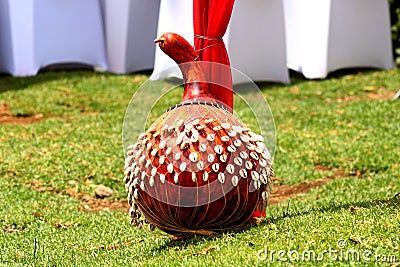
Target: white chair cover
(38, 33)
(326, 35)
(130, 29)
(175, 16)
(256, 41)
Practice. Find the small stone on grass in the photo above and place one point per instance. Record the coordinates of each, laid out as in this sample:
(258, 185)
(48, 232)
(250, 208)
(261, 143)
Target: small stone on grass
(103, 191)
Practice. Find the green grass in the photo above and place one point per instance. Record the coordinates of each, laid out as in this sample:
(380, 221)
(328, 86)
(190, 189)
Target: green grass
(334, 123)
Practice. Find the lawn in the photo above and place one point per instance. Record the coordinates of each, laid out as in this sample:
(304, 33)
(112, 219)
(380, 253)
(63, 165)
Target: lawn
(335, 198)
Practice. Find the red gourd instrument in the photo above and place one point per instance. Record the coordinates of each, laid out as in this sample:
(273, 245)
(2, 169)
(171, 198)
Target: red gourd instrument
(198, 168)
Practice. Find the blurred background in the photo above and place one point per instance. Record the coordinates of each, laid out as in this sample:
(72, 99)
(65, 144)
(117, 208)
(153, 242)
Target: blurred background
(265, 39)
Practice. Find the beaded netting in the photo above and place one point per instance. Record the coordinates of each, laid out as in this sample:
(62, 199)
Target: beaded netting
(197, 169)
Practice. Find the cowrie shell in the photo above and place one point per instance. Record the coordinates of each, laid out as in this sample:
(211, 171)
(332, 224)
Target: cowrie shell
(265, 195)
(259, 149)
(237, 128)
(264, 178)
(148, 163)
(153, 171)
(221, 177)
(262, 162)
(231, 148)
(251, 147)
(232, 133)
(193, 156)
(218, 149)
(154, 152)
(237, 142)
(161, 160)
(253, 138)
(257, 184)
(148, 146)
(225, 138)
(243, 155)
(230, 168)
(200, 165)
(255, 175)
(223, 157)
(249, 165)
(235, 180)
(266, 155)
(194, 138)
(182, 167)
(225, 125)
(200, 127)
(168, 151)
(142, 159)
(136, 193)
(162, 178)
(205, 176)
(142, 185)
(238, 161)
(170, 168)
(245, 138)
(215, 167)
(179, 139)
(142, 136)
(203, 147)
(254, 155)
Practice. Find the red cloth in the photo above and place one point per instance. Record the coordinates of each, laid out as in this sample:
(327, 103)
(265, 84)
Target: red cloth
(210, 19)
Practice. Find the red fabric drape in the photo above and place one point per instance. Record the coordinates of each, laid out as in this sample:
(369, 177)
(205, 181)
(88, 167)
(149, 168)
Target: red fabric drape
(210, 19)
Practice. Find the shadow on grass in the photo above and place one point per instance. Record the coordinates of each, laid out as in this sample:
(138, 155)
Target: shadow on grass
(393, 201)
(199, 239)
(297, 78)
(10, 83)
(53, 73)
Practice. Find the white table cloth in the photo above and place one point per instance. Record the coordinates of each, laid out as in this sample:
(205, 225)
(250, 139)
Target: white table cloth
(130, 29)
(326, 35)
(37, 33)
(255, 39)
